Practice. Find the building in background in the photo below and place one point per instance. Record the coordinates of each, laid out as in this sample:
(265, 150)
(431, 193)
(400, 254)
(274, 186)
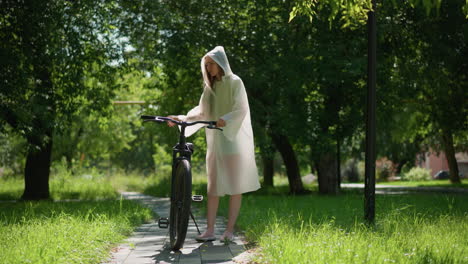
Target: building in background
(436, 161)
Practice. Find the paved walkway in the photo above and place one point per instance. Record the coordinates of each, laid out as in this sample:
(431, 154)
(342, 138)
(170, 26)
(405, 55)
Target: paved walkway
(149, 243)
(393, 189)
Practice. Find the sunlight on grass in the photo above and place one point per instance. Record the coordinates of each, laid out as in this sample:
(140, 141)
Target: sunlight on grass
(11, 188)
(407, 243)
(410, 228)
(84, 187)
(77, 231)
(330, 229)
(431, 183)
(65, 232)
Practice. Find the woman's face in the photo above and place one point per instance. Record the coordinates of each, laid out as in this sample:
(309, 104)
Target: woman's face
(212, 67)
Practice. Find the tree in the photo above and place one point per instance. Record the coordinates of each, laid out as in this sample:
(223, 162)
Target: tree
(447, 110)
(281, 64)
(187, 34)
(337, 97)
(354, 12)
(427, 74)
(50, 50)
(440, 74)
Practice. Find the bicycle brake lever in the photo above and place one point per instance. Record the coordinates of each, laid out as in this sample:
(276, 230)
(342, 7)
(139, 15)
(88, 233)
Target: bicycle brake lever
(152, 119)
(157, 119)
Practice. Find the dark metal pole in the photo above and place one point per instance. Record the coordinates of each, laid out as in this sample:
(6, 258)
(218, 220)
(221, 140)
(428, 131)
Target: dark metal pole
(369, 189)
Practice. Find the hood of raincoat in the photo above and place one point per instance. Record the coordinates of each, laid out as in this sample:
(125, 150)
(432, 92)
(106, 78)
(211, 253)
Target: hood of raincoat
(219, 56)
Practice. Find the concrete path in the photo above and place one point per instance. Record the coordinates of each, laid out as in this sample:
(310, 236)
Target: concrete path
(393, 189)
(150, 244)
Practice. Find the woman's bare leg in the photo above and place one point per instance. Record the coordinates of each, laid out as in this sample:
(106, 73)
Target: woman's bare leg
(212, 208)
(213, 202)
(234, 208)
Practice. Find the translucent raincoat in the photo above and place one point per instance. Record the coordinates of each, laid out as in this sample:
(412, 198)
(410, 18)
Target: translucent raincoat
(230, 157)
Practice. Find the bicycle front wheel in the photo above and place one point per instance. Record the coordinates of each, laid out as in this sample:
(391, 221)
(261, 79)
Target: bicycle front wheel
(180, 204)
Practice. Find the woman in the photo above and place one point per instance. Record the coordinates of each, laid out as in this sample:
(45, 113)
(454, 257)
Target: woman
(230, 157)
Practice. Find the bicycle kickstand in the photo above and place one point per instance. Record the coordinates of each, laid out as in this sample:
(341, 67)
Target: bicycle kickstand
(195, 222)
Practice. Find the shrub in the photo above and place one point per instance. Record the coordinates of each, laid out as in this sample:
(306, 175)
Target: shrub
(384, 169)
(417, 174)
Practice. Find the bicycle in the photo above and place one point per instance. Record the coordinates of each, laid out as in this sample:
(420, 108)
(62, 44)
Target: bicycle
(181, 183)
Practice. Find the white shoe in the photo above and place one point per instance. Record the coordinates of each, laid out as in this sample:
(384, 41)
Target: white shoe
(201, 238)
(227, 237)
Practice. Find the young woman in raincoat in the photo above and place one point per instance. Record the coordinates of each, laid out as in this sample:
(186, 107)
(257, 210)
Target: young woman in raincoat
(230, 157)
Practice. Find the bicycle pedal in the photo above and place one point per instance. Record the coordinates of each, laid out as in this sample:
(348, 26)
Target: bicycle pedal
(197, 198)
(163, 222)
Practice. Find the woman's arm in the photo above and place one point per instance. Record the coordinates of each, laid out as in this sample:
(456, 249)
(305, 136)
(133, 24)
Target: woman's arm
(240, 109)
(240, 105)
(199, 112)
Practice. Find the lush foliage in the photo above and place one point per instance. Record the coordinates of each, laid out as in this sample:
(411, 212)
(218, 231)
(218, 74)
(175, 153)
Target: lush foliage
(56, 65)
(53, 62)
(305, 79)
(354, 12)
(417, 174)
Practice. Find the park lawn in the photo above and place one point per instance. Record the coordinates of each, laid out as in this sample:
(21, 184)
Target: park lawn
(412, 228)
(65, 232)
(432, 183)
(409, 228)
(63, 187)
(81, 230)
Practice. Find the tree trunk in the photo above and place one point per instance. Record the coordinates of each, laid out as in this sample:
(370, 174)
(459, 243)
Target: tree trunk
(36, 173)
(312, 164)
(399, 166)
(338, 163)
(268, 169)
(289, 158)
(447, 140)
(69, 159)
(327, 176)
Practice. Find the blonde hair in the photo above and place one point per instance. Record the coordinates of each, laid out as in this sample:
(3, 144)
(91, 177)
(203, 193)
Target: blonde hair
(211, 79)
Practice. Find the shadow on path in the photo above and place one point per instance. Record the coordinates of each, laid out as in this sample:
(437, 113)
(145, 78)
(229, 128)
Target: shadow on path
(150, 244)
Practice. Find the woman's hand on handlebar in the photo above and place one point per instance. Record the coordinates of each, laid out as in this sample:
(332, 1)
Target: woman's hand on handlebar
(171, 124)
(220, 123)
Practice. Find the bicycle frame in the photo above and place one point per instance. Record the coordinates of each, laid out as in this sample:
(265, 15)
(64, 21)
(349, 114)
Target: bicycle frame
(180, 152)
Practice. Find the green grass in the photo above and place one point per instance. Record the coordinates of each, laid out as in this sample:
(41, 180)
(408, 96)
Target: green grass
(82, 230)
(65, 232)
(85, 187)
(412, 228)
(432, 183)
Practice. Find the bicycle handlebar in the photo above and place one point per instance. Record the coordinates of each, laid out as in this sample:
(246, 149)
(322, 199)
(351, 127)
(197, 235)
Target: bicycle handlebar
(162, 119)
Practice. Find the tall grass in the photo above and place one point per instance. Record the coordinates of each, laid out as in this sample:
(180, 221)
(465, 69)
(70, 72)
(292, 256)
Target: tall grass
(65, 232)
(81, 230)
(324, 229)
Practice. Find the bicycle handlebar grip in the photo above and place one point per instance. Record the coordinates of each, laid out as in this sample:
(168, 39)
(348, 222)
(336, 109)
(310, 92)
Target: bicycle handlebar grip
(148, 117)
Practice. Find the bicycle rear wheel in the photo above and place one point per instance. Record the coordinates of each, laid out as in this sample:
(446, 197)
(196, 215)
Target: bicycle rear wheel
(180, 204)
